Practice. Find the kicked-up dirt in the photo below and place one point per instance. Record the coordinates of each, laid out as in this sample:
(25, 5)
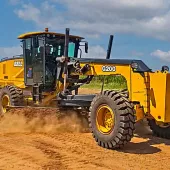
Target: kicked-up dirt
(63, 145)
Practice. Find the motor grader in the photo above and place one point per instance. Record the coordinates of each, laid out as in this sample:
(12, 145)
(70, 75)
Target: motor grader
(51, 69)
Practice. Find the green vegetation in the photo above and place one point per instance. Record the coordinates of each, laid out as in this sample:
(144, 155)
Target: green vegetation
(110, 82)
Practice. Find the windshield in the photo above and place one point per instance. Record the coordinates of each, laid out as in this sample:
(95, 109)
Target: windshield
(56, 47)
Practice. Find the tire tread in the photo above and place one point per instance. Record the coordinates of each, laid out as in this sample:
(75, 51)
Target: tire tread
(127, 119)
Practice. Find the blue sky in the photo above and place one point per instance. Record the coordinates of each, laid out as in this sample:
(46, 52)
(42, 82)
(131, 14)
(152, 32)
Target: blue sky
(141, 27)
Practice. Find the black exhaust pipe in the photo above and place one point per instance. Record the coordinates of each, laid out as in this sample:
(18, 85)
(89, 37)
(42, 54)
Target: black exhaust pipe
(67, 32)
(109, 47)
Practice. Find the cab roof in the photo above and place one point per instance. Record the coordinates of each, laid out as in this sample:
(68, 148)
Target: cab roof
(29, 34)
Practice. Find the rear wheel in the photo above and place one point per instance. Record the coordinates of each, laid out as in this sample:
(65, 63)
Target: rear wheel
(111, 119)
(159, 129)
(9, 96)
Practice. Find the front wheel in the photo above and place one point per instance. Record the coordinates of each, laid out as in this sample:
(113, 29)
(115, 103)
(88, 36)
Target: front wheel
(111, 119)
(159, 129)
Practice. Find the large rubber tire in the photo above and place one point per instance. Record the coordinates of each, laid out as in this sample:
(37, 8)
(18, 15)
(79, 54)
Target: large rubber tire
(163, 132)
(124, 120)
(14, 94)
(20, 98)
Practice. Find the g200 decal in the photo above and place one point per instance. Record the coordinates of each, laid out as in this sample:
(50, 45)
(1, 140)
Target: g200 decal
(108, 68)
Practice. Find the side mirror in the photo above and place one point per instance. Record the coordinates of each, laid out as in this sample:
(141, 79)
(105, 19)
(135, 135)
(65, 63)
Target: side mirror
(86, 47)
(165, 68)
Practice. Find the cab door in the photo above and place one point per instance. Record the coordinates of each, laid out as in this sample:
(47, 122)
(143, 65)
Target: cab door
(34, 60)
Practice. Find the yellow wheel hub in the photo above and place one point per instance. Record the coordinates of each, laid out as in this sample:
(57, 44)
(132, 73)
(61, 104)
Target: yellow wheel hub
(105, 119)
(5, 103)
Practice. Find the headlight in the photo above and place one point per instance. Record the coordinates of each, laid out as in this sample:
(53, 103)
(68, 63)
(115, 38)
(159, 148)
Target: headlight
(134, 65)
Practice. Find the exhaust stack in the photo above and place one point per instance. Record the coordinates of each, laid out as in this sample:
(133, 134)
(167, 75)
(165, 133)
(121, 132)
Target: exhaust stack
(109, 47)
(66, 56)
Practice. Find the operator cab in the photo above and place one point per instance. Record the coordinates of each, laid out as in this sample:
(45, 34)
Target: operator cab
(40, 50)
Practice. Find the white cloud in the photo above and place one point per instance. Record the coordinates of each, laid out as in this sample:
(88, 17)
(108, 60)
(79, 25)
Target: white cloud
(10, 51)
(14, 2)
(44, 16)
(29, 12)
(141, 17)
(162, 55)
(94, 52)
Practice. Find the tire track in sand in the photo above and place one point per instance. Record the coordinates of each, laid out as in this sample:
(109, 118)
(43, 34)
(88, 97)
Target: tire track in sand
(84, 153)
(69, 151)
(18, 152)
(76, 155)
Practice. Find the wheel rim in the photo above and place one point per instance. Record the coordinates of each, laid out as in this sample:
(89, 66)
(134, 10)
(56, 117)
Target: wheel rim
(5, 103)
(105, 119)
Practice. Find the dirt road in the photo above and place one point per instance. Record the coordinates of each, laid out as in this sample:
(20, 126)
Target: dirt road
(61, 146)
(79, 151)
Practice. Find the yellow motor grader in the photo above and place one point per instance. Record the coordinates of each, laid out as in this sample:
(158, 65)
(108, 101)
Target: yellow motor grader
(51, 69)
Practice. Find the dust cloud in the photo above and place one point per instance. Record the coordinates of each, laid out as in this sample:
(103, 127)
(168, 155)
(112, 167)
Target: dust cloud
(142, 128)
(41, 121)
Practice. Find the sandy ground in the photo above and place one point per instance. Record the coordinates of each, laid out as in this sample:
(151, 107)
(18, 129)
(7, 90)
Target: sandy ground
(61, 145)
